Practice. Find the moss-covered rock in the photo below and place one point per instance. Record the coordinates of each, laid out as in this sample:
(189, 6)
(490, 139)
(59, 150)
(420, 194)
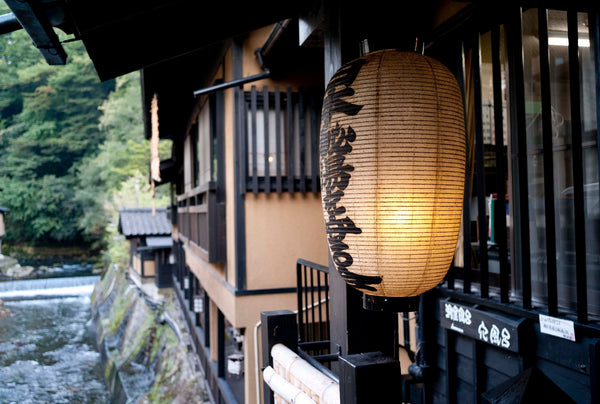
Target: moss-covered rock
(144, 358)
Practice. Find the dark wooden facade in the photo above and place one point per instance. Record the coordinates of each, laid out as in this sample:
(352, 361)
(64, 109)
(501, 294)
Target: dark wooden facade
(530, 76)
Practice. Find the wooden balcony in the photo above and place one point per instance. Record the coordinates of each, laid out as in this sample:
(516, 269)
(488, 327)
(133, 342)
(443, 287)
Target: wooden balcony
(201, 220)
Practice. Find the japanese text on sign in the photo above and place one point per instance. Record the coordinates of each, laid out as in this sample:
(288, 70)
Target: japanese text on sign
(487, 326)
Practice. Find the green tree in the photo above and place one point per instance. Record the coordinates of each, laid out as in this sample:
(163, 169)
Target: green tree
(72, 149)
(48, 124)
(117, 176)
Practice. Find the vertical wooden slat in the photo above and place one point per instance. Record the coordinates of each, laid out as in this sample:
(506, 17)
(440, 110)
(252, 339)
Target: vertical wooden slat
(312, 304)
(460, 76)
(206, 320)
(253, 139)
(577, 160)
(326, 286)
(518, 129)
(267, 173)
(479, 167)
(500, 206)
(595, 370)
(551, 265)
(314, 144)
(299, 285)
(479, 369)
(290, 136)
(278, 153)
(302, 140)
(595, 40)
(305, 303)
(319, 298)
(192, 292)
(240, 187)
(220, 343)
(450, 368)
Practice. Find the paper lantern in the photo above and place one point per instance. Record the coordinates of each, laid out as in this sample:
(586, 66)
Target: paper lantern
(392, 159)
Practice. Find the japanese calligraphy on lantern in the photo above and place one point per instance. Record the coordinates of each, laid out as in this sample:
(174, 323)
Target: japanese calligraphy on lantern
(491, 328)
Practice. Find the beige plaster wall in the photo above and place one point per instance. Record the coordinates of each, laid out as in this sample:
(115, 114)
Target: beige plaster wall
(279, 230)
(149, 268)
(136, 263)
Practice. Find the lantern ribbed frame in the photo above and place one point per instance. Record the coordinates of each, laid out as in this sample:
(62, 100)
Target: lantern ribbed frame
(392, 171)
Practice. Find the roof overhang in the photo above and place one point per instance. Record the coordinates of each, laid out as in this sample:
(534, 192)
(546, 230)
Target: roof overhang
(125, 36)
(38, 18)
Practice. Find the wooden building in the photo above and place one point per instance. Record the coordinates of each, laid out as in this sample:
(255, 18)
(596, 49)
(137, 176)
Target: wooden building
(148, 232)
(238, 92)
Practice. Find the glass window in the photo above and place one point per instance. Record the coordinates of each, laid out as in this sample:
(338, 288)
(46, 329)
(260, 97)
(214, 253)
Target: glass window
(204, 146)
(492, 167)
(562, 158)
(269, 138)
(288, 130)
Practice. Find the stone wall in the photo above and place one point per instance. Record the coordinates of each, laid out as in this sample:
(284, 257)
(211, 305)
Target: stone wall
(142, 338)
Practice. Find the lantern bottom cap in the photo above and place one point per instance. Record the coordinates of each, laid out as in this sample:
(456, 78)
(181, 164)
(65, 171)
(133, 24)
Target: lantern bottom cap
(390, 304)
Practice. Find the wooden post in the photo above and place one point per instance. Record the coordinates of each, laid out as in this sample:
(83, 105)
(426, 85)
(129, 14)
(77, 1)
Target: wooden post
(370, 378)
(278, 327)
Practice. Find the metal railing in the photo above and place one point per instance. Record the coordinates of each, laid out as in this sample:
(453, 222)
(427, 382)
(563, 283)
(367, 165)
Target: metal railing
(313, 311)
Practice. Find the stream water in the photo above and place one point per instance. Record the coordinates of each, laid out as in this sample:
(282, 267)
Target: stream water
(48, 348)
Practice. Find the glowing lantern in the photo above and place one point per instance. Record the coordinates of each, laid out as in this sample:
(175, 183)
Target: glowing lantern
(392, 171)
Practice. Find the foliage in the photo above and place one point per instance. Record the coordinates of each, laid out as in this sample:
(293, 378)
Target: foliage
(71, 147)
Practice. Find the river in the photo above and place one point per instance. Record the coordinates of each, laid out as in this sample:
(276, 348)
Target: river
(48, 350)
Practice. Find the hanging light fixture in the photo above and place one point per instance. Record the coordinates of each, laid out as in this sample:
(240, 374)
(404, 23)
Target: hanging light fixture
(198, 304)
(392, 159)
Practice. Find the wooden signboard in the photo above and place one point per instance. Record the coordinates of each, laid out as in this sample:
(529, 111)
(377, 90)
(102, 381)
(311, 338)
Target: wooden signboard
(494, 329)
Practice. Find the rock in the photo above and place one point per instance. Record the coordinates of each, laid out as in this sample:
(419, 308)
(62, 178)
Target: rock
(145, 356)
(18, 272)
(7, 262)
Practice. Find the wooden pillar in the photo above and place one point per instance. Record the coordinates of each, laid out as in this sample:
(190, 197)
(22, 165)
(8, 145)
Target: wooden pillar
(213, 327)
(278, 327)
(220, 343)
(370, 378)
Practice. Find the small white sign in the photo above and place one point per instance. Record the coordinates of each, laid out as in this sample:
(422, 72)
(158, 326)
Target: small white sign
(557, 327)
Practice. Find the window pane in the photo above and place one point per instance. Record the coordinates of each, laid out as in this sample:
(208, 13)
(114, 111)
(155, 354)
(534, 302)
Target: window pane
(563, 180)
(492, 167)
(535, 157)
(293, 130)
(590, 160)
(204, 146)
(260, 142)
(561, 145)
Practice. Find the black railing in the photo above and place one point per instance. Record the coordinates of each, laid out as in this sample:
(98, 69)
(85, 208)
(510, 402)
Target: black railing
(282, 140)
(313, 310)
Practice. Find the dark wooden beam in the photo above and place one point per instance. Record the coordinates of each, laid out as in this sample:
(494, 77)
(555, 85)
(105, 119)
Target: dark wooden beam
(35, 21)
